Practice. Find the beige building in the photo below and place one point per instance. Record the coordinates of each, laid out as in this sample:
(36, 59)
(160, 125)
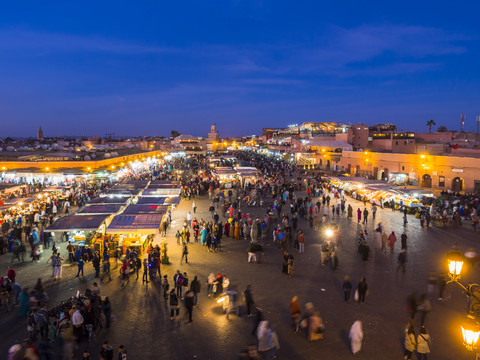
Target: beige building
(430, 171)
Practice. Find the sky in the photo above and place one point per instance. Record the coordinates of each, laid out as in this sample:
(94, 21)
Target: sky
(149, 67)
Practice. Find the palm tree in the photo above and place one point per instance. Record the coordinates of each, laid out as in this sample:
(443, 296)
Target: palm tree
(430, 123)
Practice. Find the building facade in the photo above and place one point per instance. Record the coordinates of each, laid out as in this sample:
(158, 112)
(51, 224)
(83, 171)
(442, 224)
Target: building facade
(429, 171)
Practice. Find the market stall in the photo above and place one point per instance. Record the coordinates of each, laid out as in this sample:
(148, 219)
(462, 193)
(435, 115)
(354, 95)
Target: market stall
(91, 209)
(160, 183)
(163, 190)
(133, 231)
(80, 228)
(226, 176)
(146, 209)
(248, 174)
(153, 200)
(111, 200)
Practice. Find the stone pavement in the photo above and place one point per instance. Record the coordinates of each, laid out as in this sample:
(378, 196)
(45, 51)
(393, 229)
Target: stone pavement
(144, 327)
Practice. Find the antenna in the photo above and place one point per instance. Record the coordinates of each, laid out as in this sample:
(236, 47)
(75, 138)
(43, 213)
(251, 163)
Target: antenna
(478, 125)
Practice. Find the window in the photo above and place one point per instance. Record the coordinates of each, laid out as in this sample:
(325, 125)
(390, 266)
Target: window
(403, 167)
(441, 181)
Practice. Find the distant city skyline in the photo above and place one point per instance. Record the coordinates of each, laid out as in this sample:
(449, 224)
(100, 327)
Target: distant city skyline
(146, 69)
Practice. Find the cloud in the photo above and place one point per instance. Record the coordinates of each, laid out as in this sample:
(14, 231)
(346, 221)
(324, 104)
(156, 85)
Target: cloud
(15, 39)
(345, 52)
(272, 81)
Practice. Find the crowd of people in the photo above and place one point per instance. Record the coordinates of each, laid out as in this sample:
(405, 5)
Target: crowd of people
(275, 209)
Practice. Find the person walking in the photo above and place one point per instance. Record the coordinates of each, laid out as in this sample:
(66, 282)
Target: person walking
(177, 281)
(362, 289)
(423, 344)
(248, 299)
(122, 353)
(57, 266)
(138, 265)
(374, 211)
(184, 254)
(107, 351)
(195, 289)
(347, 288)
(194, 207)
(365, 216)
(189, 302)
(356, 337)
(107, 312)
(359, 214)
(174, 308)
(404, 238)
(80, 266)
(402, 261)
(71, 249)
(391, 241)
(145, 271)
(410, 342)
(301, 242)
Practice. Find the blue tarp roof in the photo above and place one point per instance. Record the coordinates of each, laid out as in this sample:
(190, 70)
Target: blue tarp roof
(135, 224)
(78, 222)
(152, 200)
(146, 209)
(101, 209)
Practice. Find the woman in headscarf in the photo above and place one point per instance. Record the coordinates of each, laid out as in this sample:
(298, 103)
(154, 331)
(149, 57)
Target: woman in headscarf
(356, 337)
(267, 340)
(285, 263)
(295, 312)
(315, 327)
(410, 342)
(227, 228)
(254, 231)
(237, 230)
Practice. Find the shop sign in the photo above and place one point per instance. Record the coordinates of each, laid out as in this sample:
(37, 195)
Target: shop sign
(457, 170)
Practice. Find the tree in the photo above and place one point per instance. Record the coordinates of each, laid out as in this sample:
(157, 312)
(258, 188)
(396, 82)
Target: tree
(442, 129)
(430, 123)
(174, 133)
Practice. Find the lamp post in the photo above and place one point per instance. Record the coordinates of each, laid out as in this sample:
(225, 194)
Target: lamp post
(471, 325)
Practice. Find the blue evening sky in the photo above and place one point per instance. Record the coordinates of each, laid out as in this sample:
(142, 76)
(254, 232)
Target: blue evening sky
(147, 67)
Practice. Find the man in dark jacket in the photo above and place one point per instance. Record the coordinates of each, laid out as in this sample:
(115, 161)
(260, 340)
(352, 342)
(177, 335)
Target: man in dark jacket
(189, 304)
(107, 351)
(174, 309)
(248, 299)
(195, 288)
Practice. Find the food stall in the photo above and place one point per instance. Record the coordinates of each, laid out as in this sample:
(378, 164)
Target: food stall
(149, 200)
(160, 183)
(248, 174)
(226, 176)
(134, 231)
(122, 192)
(163, 190)
(146, 209)
(97, 209)
(80, 228)
(111, 199)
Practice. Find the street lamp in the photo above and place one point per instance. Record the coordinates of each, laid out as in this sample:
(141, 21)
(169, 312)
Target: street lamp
(455, 264)
(471, 333)
(471, 325)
